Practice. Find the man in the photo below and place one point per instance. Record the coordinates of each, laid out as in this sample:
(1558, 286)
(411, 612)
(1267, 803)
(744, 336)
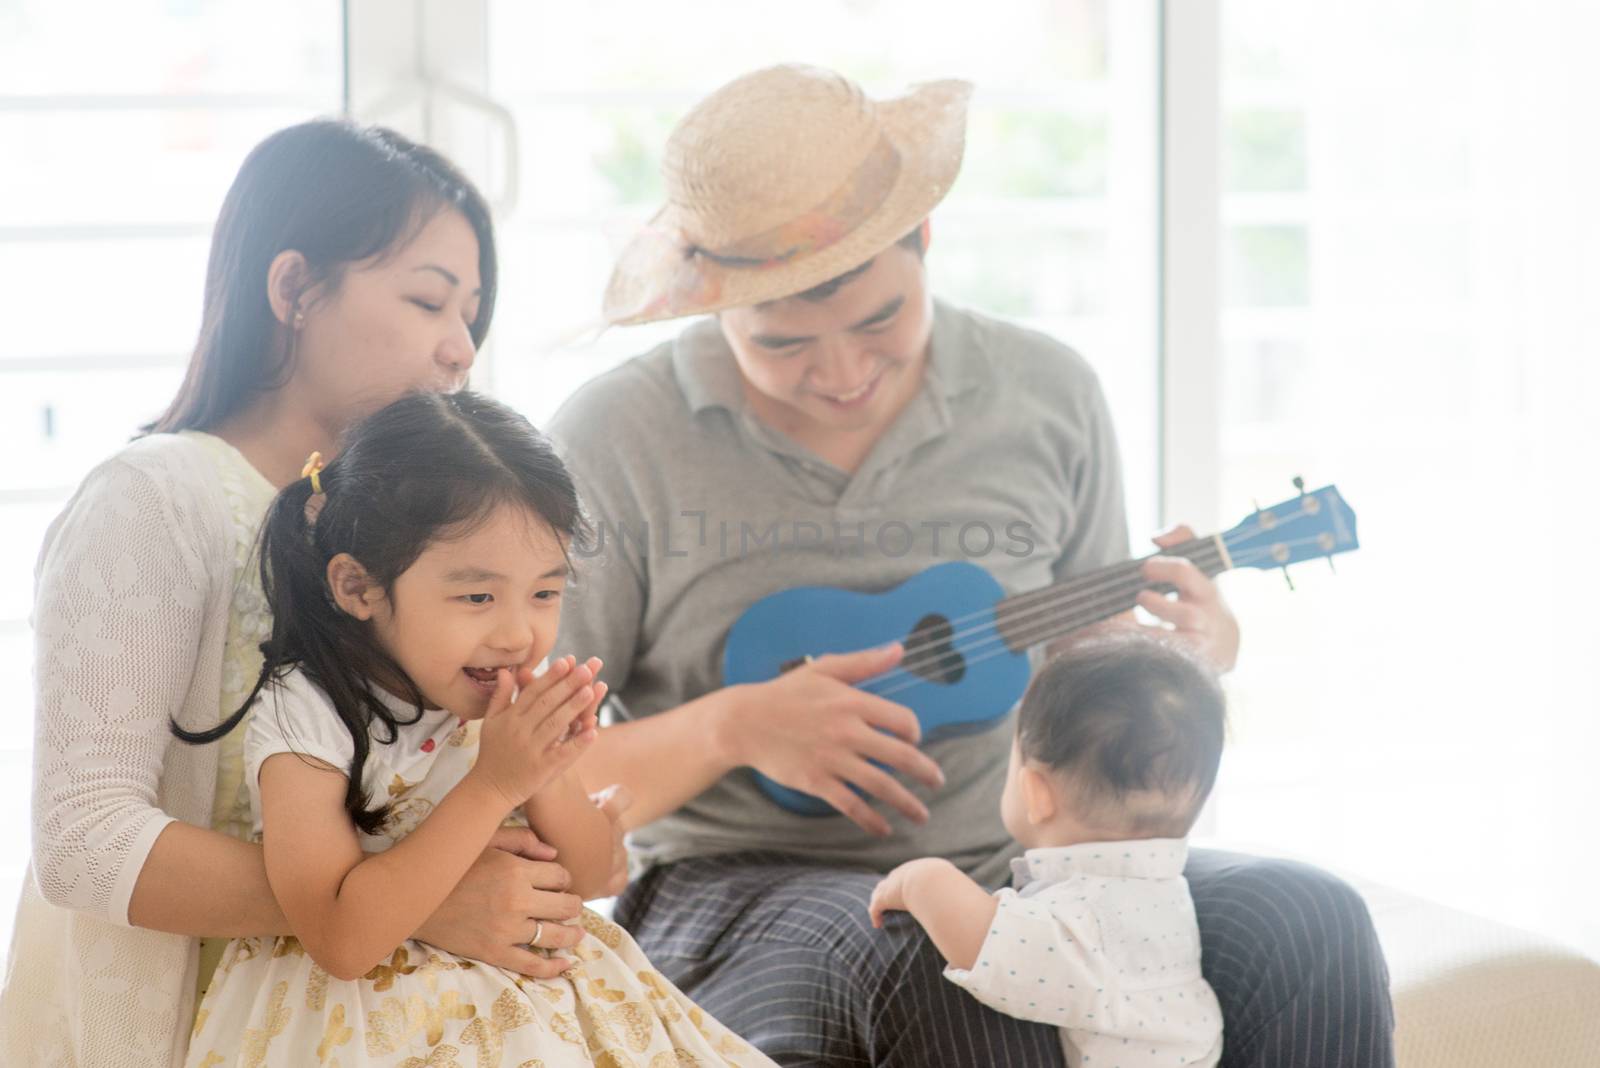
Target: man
(832, 424)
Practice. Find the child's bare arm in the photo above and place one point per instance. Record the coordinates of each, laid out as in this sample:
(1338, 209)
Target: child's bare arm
(348, 909)
(566, 818)
(955, 911)
(563, 816)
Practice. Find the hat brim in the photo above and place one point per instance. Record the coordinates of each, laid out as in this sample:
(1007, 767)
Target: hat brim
(654, 279)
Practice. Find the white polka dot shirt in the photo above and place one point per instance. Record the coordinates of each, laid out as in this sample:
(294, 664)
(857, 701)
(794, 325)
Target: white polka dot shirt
(1100, 940)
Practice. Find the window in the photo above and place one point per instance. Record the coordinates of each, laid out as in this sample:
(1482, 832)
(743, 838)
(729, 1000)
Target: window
(103, 237)
(1406, 315)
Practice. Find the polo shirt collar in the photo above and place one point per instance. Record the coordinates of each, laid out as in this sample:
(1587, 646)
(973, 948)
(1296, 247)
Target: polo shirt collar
(1148, 858)
(958, 361)
(705, 368)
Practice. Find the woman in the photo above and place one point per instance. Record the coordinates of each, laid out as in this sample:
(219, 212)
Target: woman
(348, 266)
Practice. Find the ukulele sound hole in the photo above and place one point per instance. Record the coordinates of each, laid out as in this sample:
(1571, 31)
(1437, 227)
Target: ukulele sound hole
(929, 653)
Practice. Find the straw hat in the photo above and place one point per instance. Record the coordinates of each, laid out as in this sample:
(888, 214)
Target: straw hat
(781, 180)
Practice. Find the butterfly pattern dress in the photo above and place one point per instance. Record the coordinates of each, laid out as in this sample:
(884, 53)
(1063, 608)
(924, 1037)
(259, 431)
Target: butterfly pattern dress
(270, 1004)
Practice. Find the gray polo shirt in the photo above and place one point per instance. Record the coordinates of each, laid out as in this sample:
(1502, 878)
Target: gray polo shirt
(1006, 458)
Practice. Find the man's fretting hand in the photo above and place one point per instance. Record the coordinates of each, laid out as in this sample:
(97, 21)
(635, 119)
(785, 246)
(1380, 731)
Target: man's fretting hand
(1198, 616)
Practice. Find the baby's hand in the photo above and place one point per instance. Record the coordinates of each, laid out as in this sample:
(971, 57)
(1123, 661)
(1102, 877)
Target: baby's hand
(893, 893)
(530, 739)
(889, 895)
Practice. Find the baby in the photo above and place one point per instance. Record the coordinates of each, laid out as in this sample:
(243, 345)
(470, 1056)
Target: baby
(1117, 747)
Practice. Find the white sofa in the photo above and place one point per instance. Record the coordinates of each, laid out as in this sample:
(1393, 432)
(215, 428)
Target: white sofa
(1473, 993)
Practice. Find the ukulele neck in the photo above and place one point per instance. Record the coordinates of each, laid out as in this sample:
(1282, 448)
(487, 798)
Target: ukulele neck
(1039, 616)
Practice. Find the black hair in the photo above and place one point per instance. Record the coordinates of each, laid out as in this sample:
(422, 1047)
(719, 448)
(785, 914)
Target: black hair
(426, 467)
(821, 292)
(338, 194)
(1135, 723)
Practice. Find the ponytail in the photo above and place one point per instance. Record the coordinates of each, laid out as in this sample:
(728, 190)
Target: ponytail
(310, 631)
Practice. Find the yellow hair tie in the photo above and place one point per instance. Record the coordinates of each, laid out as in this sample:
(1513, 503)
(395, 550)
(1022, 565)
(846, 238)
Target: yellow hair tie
(312, 470)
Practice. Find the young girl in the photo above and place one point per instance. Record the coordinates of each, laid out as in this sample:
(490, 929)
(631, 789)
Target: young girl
(414, 583)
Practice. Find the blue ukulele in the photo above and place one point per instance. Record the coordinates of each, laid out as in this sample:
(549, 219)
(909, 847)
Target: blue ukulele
(966, 642)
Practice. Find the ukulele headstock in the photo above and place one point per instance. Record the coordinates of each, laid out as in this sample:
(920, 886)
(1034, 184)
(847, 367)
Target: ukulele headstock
(1316, 524)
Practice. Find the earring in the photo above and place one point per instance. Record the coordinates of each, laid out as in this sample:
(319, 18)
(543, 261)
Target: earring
(299, 319)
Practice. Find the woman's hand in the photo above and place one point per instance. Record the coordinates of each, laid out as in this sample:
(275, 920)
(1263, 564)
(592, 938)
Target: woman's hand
(1198, 616)
(512, 893)
(533, 734)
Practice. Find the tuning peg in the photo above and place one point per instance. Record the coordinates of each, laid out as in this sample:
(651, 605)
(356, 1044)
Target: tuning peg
(1300, 485)
(1289, 579)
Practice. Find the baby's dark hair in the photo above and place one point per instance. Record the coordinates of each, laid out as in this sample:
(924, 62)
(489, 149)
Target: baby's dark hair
(1134, 724)
(427, 467)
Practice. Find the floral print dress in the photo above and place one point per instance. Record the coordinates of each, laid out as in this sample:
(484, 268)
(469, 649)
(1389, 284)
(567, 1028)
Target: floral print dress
(271, 1004)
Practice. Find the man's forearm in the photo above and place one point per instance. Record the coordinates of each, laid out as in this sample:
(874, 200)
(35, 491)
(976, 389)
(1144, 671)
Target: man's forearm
(665, 759)
(237, 901)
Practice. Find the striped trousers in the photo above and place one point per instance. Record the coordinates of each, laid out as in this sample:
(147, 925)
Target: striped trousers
(783, 953)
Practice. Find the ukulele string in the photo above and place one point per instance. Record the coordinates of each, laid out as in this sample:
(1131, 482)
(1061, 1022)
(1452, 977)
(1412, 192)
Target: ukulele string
(1038, 630)
(1038, 633)
(1023, 606)
(1100, 588)
(994, 644)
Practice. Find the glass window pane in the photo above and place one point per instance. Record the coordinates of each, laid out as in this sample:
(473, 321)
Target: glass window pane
(1007, 267)
(627, 46)
(1409, 282)
(288, 48)
(1266, 266)
(588, 160)
(1035, 153)
(108, 296)
(16, 773)
(1264, 151)
(22, 527)
(186, 158)
(1270, 381)
(67, 421)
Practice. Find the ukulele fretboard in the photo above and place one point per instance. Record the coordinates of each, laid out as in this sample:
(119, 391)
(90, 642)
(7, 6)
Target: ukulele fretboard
(1029, 619)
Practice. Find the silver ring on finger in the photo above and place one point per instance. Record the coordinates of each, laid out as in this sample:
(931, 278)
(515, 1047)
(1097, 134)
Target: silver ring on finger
(538, 929)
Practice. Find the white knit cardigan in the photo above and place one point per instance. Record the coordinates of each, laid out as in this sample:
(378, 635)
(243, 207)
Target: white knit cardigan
(133, 588)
